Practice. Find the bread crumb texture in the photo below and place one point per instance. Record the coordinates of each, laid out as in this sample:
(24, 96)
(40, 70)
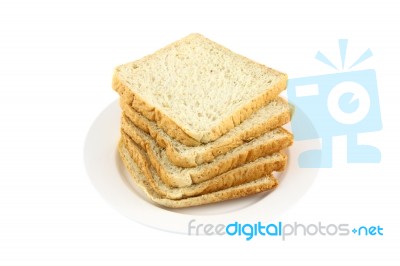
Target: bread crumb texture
(199, 86)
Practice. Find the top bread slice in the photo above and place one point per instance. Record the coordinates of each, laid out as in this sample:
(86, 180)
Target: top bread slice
(197, 90)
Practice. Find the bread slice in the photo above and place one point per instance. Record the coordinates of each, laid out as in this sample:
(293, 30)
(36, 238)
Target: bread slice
(246, 173)
(197, 90)
(273, 115)
(263, 184)
(175, 176)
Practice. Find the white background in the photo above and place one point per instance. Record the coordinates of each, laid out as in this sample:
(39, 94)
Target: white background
(56, 63)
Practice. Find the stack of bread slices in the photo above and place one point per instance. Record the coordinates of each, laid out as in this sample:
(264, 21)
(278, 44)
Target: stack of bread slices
(201, 124)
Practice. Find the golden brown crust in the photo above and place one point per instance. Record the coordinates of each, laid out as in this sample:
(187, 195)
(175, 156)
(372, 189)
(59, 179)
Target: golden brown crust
(221, 195)
(235, 177)
(220, 146)
(243, 158)
(253, 187)
(218, 168)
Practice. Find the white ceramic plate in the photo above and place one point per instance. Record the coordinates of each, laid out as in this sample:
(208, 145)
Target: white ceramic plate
(109, 177)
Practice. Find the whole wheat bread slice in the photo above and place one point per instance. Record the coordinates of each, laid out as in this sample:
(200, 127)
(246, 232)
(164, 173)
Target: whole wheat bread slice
(273, 115)
(175, 176)
(197, 90)
(137, 177)
(243, 174)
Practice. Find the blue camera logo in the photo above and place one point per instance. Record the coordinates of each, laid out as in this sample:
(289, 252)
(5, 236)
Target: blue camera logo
(345, 103)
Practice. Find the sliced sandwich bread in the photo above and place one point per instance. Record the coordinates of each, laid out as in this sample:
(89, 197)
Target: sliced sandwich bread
(273, 115)
(243, 174)
(175, 176)
(138, 178)
(197, 90)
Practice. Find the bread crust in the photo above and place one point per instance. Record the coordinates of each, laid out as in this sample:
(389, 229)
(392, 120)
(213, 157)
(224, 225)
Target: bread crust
(246, 189)
(196, 176)
(235, 177)
(213, 149)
